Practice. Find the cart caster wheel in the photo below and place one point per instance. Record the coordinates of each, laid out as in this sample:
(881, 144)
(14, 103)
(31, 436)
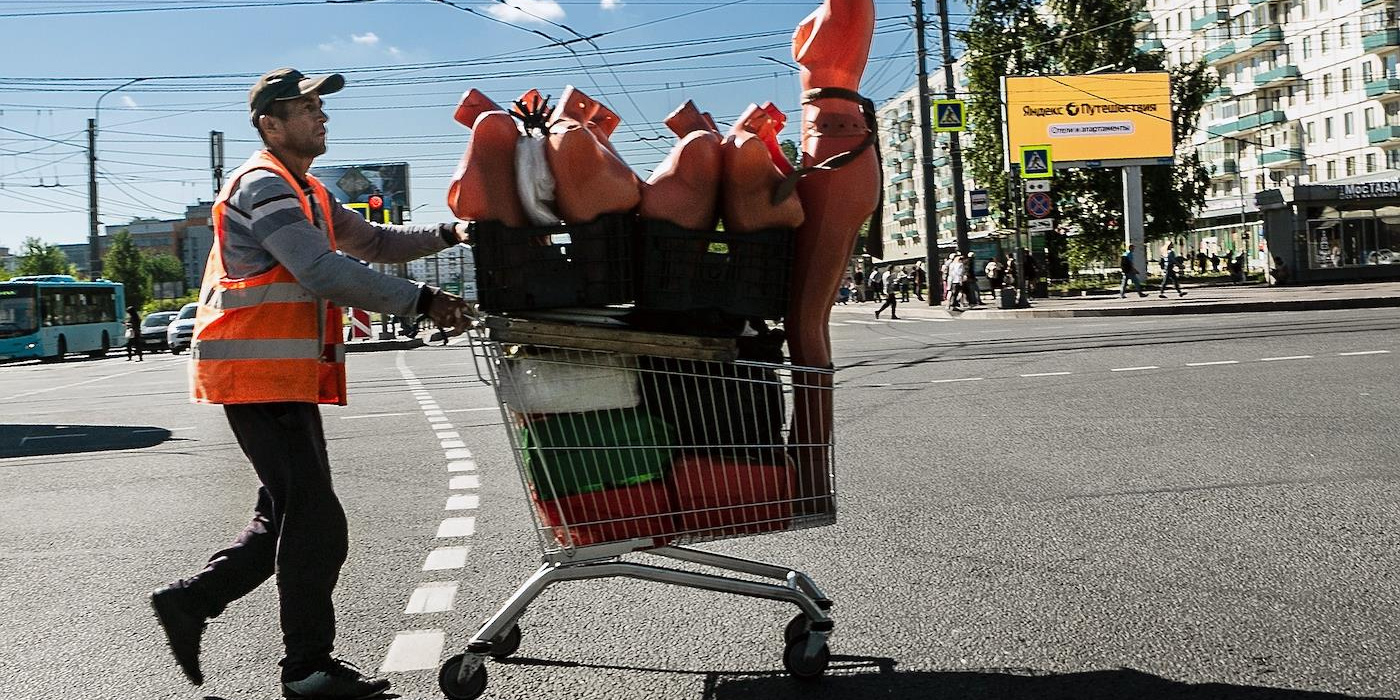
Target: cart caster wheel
(470, 689)
(507, 645)
(797, 627)
(799, 664)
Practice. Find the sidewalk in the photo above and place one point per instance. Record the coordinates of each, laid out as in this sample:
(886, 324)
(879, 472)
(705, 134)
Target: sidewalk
(1205, 299)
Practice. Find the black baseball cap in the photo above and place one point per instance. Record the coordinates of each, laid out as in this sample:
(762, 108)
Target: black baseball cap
(288, 84)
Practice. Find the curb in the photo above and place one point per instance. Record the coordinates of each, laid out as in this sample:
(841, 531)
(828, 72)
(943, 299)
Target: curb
(1226, 307)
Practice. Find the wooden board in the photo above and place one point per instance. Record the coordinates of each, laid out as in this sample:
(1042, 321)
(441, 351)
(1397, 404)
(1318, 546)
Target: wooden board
(605, 339)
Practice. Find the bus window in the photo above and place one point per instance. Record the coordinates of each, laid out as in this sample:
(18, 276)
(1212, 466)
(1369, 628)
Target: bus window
(16, 315)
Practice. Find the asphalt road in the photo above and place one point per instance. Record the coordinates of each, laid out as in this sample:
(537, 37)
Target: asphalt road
(1175, 507)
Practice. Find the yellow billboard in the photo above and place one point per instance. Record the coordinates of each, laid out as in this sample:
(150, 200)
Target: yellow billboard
(1103, 119)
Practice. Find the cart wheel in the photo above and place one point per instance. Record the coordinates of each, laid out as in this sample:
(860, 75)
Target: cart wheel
(470, 689)
(507, 645)
(797, 627)
(801, 666)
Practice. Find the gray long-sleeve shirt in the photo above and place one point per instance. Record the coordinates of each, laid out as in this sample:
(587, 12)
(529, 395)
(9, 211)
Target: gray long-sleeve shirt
(264, 225)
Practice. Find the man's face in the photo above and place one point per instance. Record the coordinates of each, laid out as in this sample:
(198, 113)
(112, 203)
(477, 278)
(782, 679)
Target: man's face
(303, 130)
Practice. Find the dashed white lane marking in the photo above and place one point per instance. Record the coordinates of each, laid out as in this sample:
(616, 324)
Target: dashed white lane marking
(465, 481)
(1046, 374)
(448, 435)
(1212, 364)
(1134, 369)
(465, 501)
(468, 410)
(374, 415)
(949, 381)
(452, 444)
(457, 527)
(1363, 352)
(459, 454)
(417, 650)
(1289, 357)
(431, 598)
(444, 558)
(462, 465)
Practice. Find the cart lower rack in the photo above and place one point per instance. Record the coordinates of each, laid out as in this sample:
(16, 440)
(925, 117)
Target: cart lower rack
(642, 443)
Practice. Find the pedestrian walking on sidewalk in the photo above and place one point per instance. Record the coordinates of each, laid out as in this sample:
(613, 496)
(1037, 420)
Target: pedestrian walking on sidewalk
(957, 278)
(974, 292)
(1130, 272)
(133, 334)
(920, 280)
(1170, 265)
(891, 292)
(268, 347)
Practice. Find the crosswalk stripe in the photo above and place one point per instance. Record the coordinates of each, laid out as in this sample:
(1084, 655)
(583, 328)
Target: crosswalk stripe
(432, 598)
(444, 558)
(416, 650)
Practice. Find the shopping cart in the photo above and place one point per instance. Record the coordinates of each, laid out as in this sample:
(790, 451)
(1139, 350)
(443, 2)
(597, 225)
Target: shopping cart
(630, 442)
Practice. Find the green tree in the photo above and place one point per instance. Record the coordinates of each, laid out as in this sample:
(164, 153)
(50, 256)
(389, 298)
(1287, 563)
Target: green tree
(164, 267)
(790, 151)
(40, 258)
(124, 263)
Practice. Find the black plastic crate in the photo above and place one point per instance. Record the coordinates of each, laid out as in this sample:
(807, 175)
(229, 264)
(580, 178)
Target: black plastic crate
(738, 274)
(550, 267)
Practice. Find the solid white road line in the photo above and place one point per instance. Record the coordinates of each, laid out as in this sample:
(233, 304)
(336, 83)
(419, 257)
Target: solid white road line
(1363, 352)
(417, 650)
(69, 386)
(948, 381)
(1212, 364)
(1289, 357)
(1046, 374)
(457, 527)
(464, 481)
(1135, 369)
(465, 501)
(432, 598)
(444, 558)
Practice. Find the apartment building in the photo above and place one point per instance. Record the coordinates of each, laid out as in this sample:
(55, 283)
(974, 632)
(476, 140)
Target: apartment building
(1309, 94)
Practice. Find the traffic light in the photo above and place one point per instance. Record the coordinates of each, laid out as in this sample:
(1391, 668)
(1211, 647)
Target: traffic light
(376, 209)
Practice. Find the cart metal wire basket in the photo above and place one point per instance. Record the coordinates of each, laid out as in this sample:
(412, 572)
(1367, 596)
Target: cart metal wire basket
(641, 443)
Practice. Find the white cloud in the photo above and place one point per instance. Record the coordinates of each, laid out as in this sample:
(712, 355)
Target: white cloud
(327, 47)
(395, 52)
(527, 11)
(610, 4)
(368, 38)
(130, 103)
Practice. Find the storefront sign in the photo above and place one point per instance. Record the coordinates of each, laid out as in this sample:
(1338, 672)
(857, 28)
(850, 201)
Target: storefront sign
(1366, 190)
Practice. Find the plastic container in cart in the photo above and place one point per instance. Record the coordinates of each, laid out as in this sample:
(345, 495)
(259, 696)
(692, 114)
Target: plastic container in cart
(550, 267)
(740, 274)
(703, 455)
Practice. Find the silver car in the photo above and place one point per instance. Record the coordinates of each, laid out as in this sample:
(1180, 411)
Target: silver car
(181, 330)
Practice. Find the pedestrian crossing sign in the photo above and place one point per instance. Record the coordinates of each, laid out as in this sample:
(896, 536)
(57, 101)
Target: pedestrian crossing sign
(949, 115)
(1036, 162)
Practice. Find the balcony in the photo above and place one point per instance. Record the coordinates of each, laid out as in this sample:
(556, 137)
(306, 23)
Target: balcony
(1220, 93)
(940, 162)
(1150, 45)
(1208, 19)
(901, 177)
(1385, 86)
(1141, 19)
(1220, 53)
(1381, 40)
(1282, 74)
(1258, 2)
(1282, 158)
(1261, 118)
(1225, 167)
(904, 215)
(1266, 38)
(1368, 3)
(1384, 134)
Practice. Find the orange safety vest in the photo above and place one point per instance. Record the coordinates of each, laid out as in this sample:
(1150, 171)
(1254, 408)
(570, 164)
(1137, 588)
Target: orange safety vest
(265, 338)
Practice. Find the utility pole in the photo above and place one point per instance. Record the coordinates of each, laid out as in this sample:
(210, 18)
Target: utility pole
(932, 268)
(216, 159)
(955, 143)
(94, 249)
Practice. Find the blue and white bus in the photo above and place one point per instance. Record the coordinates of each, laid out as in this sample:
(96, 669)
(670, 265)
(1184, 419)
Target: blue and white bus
(49, 316)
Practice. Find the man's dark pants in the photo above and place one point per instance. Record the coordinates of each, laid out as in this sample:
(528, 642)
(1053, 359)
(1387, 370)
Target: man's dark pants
(298, 531)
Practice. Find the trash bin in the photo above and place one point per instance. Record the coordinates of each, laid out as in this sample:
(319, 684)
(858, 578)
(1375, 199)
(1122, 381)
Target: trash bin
(1008, 298)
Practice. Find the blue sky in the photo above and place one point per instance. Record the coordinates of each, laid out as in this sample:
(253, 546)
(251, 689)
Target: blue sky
(407, 62)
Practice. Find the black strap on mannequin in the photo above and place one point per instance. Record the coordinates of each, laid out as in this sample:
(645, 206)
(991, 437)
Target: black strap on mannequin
(874, 243)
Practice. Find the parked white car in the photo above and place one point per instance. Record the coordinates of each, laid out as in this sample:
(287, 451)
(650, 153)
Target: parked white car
(181, 331)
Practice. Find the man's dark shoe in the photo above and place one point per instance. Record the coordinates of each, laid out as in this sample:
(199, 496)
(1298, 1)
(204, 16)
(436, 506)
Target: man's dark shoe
(183, 629)
(334, 680)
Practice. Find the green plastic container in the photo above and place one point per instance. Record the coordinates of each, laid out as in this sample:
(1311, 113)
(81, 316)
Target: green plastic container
(572, 453)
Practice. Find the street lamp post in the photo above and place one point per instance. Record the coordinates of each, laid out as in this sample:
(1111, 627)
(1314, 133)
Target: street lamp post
(94, 250)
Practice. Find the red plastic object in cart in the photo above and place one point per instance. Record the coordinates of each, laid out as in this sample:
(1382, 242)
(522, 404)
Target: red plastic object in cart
(610, 515)
(717, 497)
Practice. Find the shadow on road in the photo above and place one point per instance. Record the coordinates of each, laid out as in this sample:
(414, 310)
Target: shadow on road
(862, 677)
(37, 440)
(856, 678)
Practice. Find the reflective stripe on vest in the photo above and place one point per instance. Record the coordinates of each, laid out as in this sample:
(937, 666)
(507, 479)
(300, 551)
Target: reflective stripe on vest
(266, 338)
